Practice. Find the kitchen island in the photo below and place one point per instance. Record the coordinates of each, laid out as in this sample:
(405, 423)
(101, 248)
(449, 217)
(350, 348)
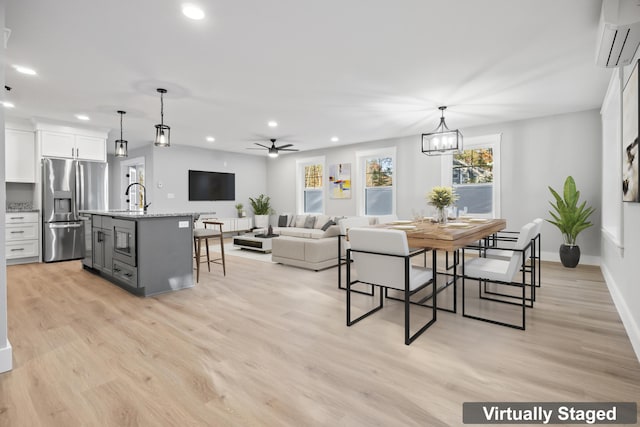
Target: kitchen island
(145, 253)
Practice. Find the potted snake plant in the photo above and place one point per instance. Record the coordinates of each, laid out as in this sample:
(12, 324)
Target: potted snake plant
(571, 219)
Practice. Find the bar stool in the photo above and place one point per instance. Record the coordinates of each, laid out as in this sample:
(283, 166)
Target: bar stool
(205, 234)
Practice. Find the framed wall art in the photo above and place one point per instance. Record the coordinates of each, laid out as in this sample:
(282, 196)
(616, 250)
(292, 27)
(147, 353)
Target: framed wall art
(630, 119)
(340, 181)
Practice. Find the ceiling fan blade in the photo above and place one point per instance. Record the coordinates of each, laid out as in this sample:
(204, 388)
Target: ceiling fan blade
(284, 146)
(288, 149)
(254, 148)
(267, 147)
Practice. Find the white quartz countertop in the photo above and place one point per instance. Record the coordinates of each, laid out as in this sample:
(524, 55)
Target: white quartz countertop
(143, 215)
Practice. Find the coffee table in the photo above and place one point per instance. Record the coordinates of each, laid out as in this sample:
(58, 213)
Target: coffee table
(254, 243)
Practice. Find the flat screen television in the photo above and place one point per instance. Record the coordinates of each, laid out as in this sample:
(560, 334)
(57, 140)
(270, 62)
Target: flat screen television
(212, 185)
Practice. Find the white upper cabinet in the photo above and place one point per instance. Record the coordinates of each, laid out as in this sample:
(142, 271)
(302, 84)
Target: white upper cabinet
(56, 144)
(91, 148)
(20, 158)
(72, 143)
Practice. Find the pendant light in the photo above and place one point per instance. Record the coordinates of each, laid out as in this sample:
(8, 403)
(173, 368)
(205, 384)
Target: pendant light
(163, 132)
(121, 144)
(442, 140)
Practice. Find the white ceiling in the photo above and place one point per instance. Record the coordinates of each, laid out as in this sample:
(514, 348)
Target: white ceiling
(357, 69)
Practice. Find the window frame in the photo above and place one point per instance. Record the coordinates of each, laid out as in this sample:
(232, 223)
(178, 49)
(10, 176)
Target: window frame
(485, 141)
(361, 158)
(300, 188)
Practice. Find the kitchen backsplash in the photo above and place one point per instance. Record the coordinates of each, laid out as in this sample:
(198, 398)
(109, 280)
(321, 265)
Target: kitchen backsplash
(19, 206)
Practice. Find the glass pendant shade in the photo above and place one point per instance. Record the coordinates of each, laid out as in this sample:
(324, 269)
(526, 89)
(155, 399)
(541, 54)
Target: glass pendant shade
(442, 140)
(163, 132)
(121, 148)
(163, 136)
(121, 144)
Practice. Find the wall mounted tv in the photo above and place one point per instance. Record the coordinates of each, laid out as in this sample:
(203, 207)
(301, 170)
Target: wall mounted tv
(212, 185)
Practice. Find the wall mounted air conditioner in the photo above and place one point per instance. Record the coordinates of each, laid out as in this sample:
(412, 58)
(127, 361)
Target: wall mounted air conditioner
(618, 33)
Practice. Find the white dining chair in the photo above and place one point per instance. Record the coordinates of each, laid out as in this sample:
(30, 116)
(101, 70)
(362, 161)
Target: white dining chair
(381, 258)
(343, 244)
(500, 272)
(505, 240)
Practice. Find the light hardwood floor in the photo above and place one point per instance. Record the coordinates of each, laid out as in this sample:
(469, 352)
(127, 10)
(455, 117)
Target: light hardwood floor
(267, 345)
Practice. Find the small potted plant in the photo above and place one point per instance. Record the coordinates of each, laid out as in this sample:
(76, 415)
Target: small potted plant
(261, 206)
(571, 219)
(441, 198)
(241, 212)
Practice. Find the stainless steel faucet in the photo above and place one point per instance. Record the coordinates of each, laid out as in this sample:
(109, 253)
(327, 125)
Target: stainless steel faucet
(144, 195)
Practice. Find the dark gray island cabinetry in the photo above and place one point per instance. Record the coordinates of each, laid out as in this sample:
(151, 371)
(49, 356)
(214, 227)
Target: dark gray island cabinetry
(144, 253)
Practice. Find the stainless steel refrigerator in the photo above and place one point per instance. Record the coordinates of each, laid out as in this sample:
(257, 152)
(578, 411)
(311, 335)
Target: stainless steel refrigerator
(69, 187)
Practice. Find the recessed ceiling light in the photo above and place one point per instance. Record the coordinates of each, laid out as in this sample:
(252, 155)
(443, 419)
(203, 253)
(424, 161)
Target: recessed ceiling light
(25, 70)
(82, 117)
(273, 124)
(192, 11)
(335, 139)
(7, 104)
(210, 139)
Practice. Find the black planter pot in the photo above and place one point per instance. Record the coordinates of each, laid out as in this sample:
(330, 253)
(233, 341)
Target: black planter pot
(569, 255)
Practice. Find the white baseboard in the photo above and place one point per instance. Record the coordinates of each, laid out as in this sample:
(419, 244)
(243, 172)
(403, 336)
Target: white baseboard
(584, 259)
(630, 325)
(6, 361)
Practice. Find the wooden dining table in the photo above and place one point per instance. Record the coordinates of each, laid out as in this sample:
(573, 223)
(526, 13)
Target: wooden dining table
(447, 237)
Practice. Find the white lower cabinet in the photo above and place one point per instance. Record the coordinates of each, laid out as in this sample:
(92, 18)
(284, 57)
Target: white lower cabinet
(22, 243)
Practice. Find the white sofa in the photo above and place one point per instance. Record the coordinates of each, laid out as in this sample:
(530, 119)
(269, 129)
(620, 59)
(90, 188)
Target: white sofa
(307, 247)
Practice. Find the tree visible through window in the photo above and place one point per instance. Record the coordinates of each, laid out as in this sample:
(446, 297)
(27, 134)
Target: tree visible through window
(472, 178)
(379, 186)
(313, 188)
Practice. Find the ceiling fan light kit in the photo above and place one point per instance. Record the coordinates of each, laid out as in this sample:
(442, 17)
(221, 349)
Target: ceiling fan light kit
(442, 140)
(273, 151)
(121, 144)
(163, 132)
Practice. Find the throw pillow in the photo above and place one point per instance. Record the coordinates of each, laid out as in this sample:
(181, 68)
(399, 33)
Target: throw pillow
(282, 220)
(327, 225)
(310, 221)
(300, 219)
(321, 220)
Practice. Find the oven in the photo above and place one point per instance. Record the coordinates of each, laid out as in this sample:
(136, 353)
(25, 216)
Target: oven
(124, 241)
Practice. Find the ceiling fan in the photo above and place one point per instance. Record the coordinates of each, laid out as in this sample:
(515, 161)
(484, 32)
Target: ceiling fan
(273, 150)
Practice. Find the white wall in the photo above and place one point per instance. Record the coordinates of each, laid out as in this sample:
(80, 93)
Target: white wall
(535, 153)
(5, 346)
(620, 266)
(168, 168)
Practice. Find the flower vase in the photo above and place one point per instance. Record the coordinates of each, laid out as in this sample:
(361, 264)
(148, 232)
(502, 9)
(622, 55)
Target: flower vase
(441, 215)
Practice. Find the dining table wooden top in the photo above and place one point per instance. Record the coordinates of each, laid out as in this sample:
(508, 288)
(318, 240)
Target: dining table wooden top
(447, 237)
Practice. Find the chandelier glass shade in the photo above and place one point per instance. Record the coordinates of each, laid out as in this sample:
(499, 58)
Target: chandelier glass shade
(442, 140)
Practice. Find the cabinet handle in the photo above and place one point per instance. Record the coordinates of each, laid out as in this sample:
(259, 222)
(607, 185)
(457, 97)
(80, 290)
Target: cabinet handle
(17, 249)
(77, 152)
(17, 232)
(17, 217)
(128, 274)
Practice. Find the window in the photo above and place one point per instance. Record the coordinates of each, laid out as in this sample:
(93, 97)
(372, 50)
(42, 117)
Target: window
(310, 185)
(612, 210)
(133, 171)
(473, 173)
(376, 169)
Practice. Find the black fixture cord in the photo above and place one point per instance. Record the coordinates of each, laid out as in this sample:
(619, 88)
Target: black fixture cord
(121, 114)
(161, 112)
